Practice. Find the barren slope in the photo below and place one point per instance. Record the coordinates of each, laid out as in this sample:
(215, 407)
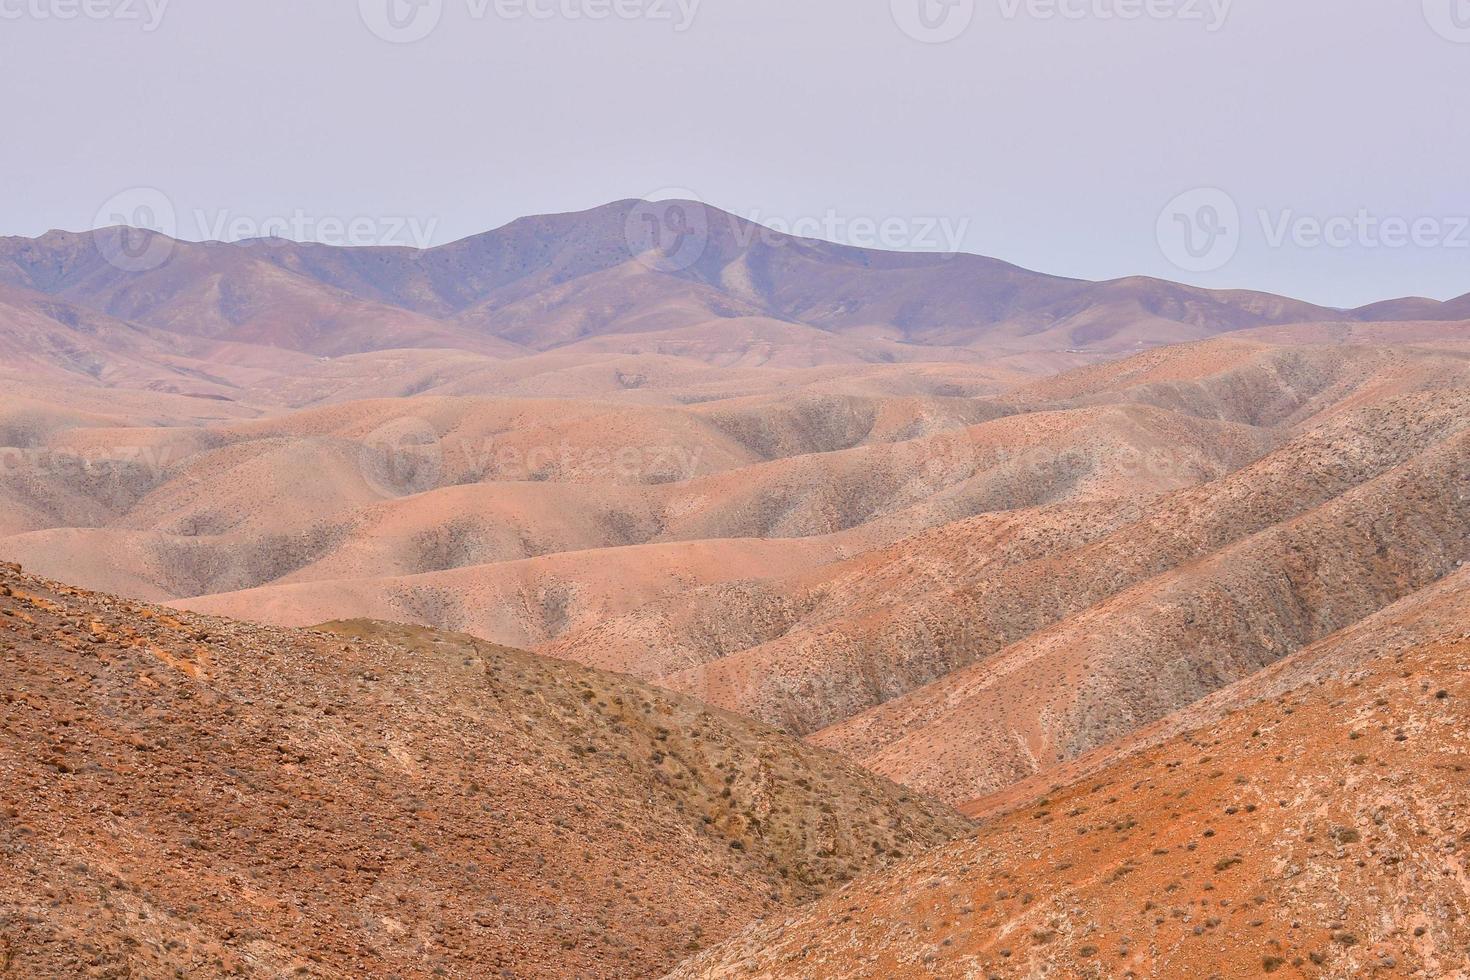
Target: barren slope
(198, 795)
(1319, 834)
(818, 647)
(1169, 640)
(1434, 613)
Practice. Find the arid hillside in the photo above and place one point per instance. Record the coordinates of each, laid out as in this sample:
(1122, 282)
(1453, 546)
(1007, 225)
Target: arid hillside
(816, 554)
(1318, 831)
(958, 581)
(1204, 590)
(189, 796)
(1430, 615)
(958, 522)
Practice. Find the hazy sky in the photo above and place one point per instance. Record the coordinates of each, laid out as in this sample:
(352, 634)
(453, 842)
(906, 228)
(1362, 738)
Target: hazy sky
(1051, 133)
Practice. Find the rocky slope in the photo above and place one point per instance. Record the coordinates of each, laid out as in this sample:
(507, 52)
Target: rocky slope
(1165, 640)
(1318, 833)
(197, 795)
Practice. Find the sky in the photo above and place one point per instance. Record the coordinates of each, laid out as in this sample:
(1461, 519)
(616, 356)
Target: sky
(1314, 148)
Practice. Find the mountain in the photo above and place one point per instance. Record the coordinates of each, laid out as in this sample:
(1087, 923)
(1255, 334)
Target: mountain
(219, 291)
(1417, 308)
(618, 272)
(1316, 831)
(199, 796)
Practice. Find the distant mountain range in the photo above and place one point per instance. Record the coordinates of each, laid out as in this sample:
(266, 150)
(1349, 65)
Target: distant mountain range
(669, 277)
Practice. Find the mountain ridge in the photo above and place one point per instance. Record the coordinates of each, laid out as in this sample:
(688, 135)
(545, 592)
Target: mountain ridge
(543, 282)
